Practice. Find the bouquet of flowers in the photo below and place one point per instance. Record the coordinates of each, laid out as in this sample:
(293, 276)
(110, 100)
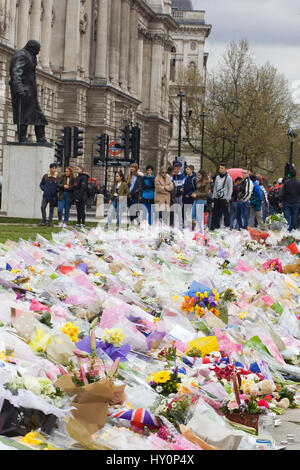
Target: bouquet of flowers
(93, 387)
(276, 222)
(175, 409)
(253, 245)
(165, 382)
(201, 303)
(41, 387)
(273, 265)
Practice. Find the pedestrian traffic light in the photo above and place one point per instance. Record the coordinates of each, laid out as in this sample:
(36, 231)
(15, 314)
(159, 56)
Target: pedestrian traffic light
(126, 141)
(101, 145)
(136, 144)
(78, 142)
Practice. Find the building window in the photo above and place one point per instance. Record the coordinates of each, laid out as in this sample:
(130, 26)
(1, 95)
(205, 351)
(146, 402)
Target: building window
(173, 70)
(193, 45)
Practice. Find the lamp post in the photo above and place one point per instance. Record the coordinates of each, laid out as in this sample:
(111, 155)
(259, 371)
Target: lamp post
(224, 130)
(181, 96)
(235, 141)
(203, 116)
(291, 136)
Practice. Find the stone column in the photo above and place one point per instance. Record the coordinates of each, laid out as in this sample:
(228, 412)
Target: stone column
(140, 60)
(133, 50)
(72, 34)
(46, 34)
(156, 74)
(35, 20)
(124, 45)
(115, 24)
(12, 22)
(23, 23)
(101, 45)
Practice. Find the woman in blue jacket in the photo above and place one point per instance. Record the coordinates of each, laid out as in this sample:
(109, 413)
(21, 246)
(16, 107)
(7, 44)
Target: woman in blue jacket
(148, 189)
(189, 188)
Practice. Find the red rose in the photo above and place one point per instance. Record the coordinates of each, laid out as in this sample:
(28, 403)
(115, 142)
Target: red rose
(263, 403)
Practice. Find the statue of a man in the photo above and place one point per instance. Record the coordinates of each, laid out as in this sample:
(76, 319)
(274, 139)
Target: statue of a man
(26, 108)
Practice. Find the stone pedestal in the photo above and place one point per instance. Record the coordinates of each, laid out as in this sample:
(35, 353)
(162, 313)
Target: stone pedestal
(23, 169)
(100, 207)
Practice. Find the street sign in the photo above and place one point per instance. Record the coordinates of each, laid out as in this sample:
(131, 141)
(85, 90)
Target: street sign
(113, 162)
(113, 150)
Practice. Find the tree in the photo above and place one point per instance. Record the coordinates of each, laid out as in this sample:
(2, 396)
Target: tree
(252, 102)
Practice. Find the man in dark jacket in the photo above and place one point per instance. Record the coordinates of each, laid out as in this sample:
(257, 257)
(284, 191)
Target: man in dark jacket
(148, 188)
(188, 189)
(135, 183)
(49, 186)
(80, 195)
(26, 109)
(290, 200)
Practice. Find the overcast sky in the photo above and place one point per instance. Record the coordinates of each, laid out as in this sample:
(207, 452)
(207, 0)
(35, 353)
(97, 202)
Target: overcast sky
(272, 28)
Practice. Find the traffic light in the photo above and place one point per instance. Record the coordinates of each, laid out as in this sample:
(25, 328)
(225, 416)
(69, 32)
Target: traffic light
(67, 141)
(136, 143)
(126, 141)
(78, 142)
(59, 151)
(101, 145)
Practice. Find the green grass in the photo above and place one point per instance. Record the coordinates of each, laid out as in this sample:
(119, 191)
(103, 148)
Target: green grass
(14, 229)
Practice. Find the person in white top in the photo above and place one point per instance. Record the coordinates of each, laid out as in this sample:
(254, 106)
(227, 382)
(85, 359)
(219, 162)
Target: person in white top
(244, 196)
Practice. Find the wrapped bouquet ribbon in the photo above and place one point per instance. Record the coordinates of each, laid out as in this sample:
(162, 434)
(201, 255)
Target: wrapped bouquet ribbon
(91, 401)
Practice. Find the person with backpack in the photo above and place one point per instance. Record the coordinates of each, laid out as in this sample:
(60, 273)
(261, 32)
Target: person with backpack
(200, 198)
(148, 188)
(49, 187)
(81, 195)
(221, 198)
(244, 196)
(255, 203)
(189, 188)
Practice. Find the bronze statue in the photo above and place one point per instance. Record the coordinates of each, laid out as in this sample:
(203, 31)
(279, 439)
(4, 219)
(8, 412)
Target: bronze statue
(26, 109)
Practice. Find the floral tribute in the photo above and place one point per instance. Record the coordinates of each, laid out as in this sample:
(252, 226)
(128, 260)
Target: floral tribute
(41, 387)
(165, 382)
(202, 303)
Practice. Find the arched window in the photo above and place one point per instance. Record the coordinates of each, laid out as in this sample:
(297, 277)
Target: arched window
(173, 70)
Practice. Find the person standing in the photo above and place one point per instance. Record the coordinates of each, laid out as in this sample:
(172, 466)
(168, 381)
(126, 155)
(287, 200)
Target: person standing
(80, 195)
(244, 196)
(134, 182)
(49, 187)
(118, 199)
(255, 203)
(265, 201)
(163, 188)
(235, 211)
(148, 189)
(65, 191)
(200, 198)
(275, 196)
(290, 200)
(221, 197)
(189, 188)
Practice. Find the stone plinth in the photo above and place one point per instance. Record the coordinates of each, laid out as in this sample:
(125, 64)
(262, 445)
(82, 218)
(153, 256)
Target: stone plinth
(23, 169)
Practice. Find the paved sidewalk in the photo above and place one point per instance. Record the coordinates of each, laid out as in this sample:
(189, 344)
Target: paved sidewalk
(290, 424)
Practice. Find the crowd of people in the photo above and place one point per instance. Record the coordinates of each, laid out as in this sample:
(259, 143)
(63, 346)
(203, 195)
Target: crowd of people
(176, 196)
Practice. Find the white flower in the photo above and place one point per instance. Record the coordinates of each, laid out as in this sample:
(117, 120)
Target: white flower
(174, 405)
(164, 409)
(159, 389)
(32, 384)
(46, 386)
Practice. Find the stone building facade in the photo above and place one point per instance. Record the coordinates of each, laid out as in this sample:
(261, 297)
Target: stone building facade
(103, 64)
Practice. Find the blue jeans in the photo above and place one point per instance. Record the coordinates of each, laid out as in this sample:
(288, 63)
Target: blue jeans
(244, 207)
(116, 207)
(235, 212)
(147, 210)
(198, 213)
(64, 204)
(291, 212)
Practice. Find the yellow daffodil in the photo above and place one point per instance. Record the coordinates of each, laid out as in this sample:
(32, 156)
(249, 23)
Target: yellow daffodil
(31, 439)
(40, 341)
(71, 330)
(242, 315)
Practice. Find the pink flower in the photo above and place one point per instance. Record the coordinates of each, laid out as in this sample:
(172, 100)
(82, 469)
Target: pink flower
(243, 396)
(232, 405)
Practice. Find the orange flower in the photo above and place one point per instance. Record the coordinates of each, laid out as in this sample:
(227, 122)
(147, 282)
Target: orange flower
(199, 311)
(188, 304)
(215, 312)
